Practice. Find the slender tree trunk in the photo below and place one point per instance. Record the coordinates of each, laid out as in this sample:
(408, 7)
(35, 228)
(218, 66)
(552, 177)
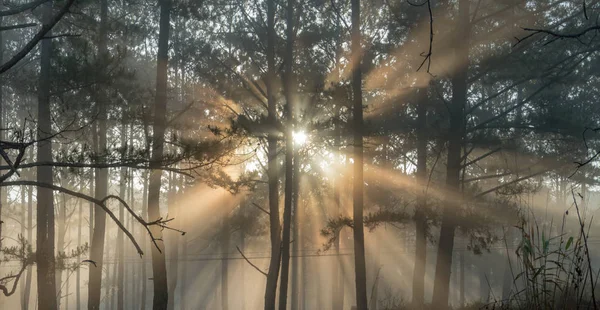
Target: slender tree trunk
(337, 274)
(79, 245)
(134, 271)
(120, 236)
(272, 169)
(97, 246)
(225, 264)
(174, 238)
(46, 285)
(462, 279)
(23, 227)
(453, 167)
(184, 275)
(243, 263)
(159, 268)
(27, 289)
(359, 234)
(60, 243)
(290, 162)
(144, 277)
(2, 190)
(296, 231)
(418, 298)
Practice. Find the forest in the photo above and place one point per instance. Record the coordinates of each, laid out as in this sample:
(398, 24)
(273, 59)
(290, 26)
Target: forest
(299, 154)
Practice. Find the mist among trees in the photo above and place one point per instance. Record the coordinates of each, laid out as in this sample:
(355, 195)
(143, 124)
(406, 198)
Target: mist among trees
(271, 154)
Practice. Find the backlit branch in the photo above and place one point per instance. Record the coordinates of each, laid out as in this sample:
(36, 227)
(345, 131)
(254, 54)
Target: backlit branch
(102, 204)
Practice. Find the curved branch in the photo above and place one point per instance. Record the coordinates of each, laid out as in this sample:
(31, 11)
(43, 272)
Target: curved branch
(4, 289)
(100, 203)
(37, 38)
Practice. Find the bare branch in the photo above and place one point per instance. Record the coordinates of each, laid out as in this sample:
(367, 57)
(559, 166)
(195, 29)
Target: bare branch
(249, 262)
(39, 36)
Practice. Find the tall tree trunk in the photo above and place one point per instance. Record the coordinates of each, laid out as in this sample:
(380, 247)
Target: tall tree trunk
(462, 279)
(46, 285)
(243, 264)
(97, 246)
(453, 167)
(60, 242)
(134, 270)
(272, 169)
(296, 231)
(159, 267)
(358, 188)
(337, 274)
(110, 280)
(2, 112)
(225, 264)
(79, 245)
(23, 227)
(27, 289)
(418, 297)
(174, 241)
(183, 269)
(120, 236)
(289, 158)
(144, 277)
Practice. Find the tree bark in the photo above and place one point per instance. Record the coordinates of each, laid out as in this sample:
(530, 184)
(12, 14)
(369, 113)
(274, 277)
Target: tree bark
(453, 167)
(97, 246)
(46, 285)
(159, 268)
(358, 188)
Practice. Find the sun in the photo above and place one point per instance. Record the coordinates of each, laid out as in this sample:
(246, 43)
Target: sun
(300, 137)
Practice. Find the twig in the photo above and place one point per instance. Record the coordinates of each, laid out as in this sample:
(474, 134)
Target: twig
(249, 262)
(260, 208)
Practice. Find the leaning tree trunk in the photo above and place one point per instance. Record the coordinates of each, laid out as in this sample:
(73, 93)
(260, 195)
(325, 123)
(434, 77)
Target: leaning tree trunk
(274, 225)
(358, 192)
(453, 167)
(46, 284)
(159, 267)
(418, 297)
(97, 246)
